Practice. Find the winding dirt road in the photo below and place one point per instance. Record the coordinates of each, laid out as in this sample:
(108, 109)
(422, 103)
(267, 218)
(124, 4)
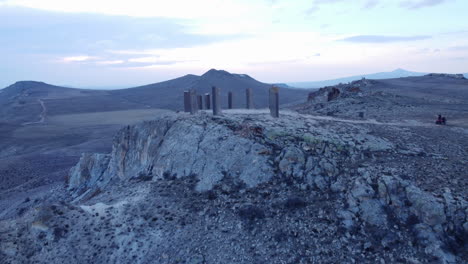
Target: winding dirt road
(41, 116)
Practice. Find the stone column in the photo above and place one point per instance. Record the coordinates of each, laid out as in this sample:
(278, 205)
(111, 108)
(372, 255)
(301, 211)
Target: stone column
(208, 101)
(274, 101)
(216, 101)
(249, 99)
(193, 102)
(200, 102)
(230, 100)
(186, 101)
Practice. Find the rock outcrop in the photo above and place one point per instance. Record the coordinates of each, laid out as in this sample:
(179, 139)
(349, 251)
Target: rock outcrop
(331, 93)
(212, 147)
(455, 76)
(177, 147)
(254, 151)
(248, 188)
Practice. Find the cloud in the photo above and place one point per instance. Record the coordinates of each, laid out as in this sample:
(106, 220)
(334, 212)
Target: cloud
(327, 1)
(459, 48)
(32, 31)
(143, 65)
(275, 62)
(371, 4)
(383, 39)
(143, 8)
(131, 62)
(316, 6)
(459, 58)
(417, 4)
(312, 10)
(110, 62)
(78, 58)
(427, 51)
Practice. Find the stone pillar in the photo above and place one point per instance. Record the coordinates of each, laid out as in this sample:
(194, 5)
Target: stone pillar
(193, 102)
(216, 101)
(274, 101)
(249, 99)
(200, 102)
(207, 101)
(186, 101)
(230, 100)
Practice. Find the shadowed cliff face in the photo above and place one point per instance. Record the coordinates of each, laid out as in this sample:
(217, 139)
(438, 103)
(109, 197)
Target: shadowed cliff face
(248, 188)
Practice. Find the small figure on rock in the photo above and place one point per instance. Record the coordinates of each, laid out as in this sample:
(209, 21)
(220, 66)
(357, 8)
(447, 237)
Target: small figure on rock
(441, 120)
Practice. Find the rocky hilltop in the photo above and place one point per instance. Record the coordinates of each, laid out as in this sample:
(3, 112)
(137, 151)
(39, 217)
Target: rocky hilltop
(247, 188)
(392, 100)
(455, 76)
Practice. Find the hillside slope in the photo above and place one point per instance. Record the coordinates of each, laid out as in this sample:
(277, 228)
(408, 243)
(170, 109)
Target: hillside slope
(21, 101)
(421, 98)
(24, 101)
(398, 73)
(247, 188)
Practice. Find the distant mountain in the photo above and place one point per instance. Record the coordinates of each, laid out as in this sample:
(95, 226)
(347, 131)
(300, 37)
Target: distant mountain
(398, 73)
(282, 85)
(21, 101)
(171, 92)
(24, 101)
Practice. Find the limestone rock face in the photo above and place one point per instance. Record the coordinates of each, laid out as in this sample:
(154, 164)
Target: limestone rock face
(211, 148)
(240, 156)
(177, 147)
(409, 205)
(87, 174)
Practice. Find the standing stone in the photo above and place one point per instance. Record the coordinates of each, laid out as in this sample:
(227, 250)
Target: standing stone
(208, 101)
(200, 102)
(274, 101)
(186, 101)
(216, 101)
(249, 99)
(230, 100)
(193, 102)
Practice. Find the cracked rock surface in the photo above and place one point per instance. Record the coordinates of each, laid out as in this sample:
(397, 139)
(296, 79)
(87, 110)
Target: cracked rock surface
(247, 188)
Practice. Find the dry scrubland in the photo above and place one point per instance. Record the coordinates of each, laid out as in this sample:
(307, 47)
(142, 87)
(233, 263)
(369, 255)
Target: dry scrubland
(357, 174)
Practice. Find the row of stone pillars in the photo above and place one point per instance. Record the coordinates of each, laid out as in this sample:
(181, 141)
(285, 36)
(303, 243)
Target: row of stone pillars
(194, 102)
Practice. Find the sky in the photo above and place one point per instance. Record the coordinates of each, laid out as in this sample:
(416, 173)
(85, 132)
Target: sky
(113, 43)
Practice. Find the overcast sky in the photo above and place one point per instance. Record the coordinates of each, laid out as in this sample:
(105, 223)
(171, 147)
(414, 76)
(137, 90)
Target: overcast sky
(90, 43)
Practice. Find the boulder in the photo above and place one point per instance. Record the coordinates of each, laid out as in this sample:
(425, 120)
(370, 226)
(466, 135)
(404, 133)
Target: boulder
(291, 162)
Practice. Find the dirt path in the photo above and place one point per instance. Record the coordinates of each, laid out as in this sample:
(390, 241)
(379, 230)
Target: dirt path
(329, 118)
(404, 123)
(41, 116)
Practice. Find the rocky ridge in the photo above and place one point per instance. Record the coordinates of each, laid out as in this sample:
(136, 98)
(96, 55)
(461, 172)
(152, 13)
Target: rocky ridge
(392, 100)
(455, 76)
(351, 100)
(246, 188)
